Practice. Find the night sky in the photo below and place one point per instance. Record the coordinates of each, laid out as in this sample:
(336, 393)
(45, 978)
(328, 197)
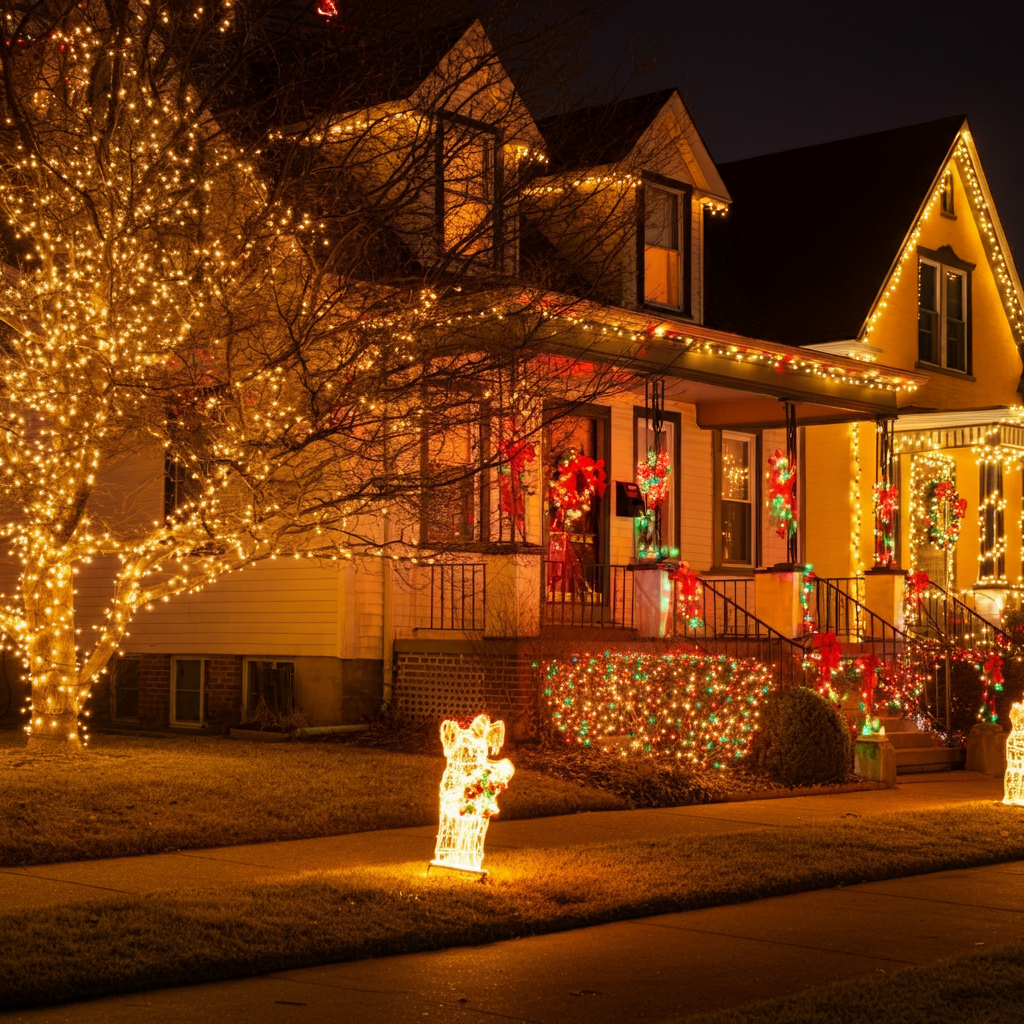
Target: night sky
(764, 77)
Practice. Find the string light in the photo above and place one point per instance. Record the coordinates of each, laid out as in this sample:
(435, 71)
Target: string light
(699, 709)
(856, 515)
(1013, 780)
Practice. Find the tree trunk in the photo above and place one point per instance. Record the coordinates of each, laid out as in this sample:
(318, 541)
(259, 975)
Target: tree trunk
(57, 698)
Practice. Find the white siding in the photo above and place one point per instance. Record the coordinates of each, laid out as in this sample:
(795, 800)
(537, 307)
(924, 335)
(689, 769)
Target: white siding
(697, 478)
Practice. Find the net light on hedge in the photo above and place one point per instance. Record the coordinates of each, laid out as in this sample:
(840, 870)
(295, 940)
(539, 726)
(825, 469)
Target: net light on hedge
(469, 792)
(1013, 779)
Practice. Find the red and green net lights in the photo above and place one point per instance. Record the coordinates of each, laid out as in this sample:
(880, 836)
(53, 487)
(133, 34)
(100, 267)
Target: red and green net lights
(781, 494)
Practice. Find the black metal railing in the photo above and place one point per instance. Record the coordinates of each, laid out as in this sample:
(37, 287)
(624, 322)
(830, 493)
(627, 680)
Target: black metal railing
(726, 627)
(838, 611)
(457, 596)
(576, 594)
(943, 617)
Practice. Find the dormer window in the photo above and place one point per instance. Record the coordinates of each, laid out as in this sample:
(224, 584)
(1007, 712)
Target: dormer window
(468, 172)
(664, 262)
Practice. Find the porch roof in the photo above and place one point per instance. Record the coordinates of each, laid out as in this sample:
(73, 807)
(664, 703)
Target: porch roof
(997, 427)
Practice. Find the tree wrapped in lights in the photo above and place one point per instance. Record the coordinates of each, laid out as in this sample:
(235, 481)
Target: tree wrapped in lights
(230, 331)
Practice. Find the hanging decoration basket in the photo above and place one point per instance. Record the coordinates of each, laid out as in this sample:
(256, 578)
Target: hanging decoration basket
(652, 477)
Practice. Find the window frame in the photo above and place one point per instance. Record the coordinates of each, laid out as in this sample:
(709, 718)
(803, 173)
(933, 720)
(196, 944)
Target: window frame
(685, 215)
(947, 197)
(256, 660)
(494, 258)
(720, 564)
(644, 415)
(945, 261)
(172, 719)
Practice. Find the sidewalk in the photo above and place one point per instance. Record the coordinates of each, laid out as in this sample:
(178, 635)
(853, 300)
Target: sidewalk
(56, 884)
(657, 969)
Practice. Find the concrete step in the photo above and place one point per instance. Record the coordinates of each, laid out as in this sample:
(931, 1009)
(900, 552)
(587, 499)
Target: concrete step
(928, 759)
(899, 725)
(909, 740)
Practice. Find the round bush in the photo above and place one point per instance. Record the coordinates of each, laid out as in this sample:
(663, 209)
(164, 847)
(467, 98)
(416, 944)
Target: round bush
(803, 740)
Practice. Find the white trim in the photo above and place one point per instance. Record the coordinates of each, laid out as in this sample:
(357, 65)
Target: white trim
(959, 418)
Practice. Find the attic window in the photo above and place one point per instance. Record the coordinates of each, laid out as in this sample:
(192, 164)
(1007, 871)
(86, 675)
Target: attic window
(468, 168)
(664, 260)
(946, 196)
(944, 310)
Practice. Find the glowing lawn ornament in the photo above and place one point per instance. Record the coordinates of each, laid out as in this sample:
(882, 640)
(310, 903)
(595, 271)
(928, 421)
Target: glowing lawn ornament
(1013, 780)
(469, 791)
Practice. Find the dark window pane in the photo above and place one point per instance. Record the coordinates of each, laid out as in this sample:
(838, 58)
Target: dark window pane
(926, 290)
(187, 690)
(954, 295)
(125, 674)
(927, 331)
(736, 539)
(956, 345)
(661, 218)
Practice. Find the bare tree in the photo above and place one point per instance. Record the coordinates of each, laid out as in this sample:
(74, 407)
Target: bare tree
(278, 266)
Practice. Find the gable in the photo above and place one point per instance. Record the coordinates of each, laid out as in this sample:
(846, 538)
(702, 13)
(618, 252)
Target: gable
(812, 233)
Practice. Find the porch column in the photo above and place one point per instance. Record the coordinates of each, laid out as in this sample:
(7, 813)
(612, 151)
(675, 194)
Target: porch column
(884, 583)
(887, 505)
(792, 545)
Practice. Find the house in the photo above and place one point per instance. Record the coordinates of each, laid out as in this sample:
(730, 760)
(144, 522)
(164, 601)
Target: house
(769, 324)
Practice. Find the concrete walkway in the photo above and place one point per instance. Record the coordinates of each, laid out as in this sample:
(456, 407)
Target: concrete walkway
(657, 969)
(59, 884)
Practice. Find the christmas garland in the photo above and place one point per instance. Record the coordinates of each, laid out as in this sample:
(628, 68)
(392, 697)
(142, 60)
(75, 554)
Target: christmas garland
(689, 595)
(887, 509)
(945, 511)
(652, 478)
(515, 456)
(781, 494)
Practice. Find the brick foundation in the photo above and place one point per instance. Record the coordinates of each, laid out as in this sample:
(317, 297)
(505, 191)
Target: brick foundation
(223, 690)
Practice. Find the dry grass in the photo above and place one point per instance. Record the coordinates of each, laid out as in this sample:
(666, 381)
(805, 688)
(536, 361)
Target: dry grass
(123, 945)
(128, 795)
(977, 988)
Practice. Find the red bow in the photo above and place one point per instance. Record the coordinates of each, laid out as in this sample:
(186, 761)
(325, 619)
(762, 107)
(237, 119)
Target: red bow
(993, 668)
(829, 654)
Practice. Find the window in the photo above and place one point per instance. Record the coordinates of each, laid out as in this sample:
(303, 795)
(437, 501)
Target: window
(451, 460)
(737, 495)
(943, 312)
(468, 169)
(644, 443)
(273, 682)
(946, 196)
(993, 528)
(664, 269)
(188, 679)
(124, 677)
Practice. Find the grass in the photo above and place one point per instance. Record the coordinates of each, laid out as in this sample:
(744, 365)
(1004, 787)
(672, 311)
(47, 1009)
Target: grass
(976, 988)
(132, 795)
(129, 944)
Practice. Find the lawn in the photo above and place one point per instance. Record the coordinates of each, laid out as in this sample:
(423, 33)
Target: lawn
(133, 795)
(977, 988)
(124, 944)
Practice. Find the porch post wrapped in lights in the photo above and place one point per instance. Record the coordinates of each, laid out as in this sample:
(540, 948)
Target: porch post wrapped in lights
(886, 495)
(792, 546)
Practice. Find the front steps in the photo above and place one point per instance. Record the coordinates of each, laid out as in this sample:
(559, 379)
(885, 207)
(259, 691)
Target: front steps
(918, 751)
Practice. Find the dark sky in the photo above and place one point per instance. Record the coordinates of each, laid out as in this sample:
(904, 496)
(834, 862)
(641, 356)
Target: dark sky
(763, 77)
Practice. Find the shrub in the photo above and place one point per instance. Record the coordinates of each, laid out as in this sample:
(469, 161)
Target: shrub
(804, 740)
(701, 710)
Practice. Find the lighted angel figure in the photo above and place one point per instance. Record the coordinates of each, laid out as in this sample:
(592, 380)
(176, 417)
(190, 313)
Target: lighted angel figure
(1013, 780)
(469, 791)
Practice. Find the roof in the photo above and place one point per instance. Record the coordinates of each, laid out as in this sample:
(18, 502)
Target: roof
(601, 134)
(812, 233)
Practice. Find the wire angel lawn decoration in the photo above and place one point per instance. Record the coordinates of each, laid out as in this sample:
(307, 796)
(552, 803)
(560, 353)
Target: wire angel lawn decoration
(469, 792)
